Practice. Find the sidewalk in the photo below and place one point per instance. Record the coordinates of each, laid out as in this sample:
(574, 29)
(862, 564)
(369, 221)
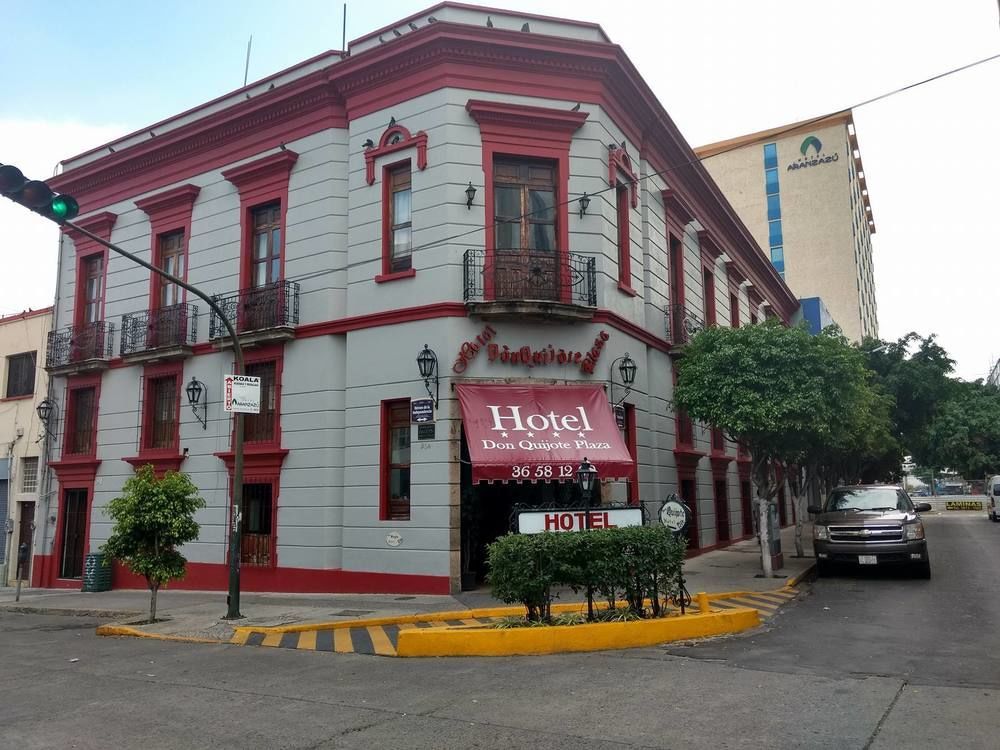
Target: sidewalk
(197, 614)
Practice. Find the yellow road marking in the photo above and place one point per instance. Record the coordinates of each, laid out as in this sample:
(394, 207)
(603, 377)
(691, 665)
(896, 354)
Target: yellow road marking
(380, 641)
(772, 598)
(342, 641)
(240, 637)
(471, 621)
(406, 625)
(754, 604)
(307, 640)
(437, 624)
(272, 639)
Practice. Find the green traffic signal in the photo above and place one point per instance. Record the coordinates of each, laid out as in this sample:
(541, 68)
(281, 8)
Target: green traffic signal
(36, 195)
(64, 208)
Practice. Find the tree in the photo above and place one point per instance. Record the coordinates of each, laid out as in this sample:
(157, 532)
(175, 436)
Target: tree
(965, 433)
(787, 396)
(153, 517)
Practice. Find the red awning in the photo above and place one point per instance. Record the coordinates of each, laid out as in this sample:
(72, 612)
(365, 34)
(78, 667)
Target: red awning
(541, 433)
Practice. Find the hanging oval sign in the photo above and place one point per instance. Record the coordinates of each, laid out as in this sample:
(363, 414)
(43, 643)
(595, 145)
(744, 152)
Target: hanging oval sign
(674, 514)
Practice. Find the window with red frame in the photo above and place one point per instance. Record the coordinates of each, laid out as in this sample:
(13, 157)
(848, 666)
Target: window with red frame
(265, 265)
(734, 311)
(93, 288)
(263, 427)
(171, 260)
(161, 413)
(709, 289)
(258, 524)
(21, 374)
(396, 460)
(624, 246)
(80, 430)
(399, 221)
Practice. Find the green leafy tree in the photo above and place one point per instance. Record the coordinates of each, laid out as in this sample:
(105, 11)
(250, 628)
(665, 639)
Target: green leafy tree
(965, 433)
(789, 397)
(153, 517)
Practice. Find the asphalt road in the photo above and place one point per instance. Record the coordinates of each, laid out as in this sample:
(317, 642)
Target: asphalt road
(879, 661)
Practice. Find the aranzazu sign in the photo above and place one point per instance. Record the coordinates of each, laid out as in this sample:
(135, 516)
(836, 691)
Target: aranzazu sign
(526, 355)
(540, 432)
(816, 160)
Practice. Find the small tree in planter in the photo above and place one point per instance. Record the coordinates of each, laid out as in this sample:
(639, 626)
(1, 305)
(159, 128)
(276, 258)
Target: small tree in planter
(153, 517)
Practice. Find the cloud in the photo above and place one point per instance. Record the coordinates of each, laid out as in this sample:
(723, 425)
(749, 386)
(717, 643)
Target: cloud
(28, 242)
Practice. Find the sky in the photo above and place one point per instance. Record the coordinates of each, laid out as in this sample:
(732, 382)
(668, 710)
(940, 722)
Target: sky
(721, 68)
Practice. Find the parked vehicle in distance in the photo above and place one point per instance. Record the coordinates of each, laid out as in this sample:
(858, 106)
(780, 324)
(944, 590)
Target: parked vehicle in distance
(992, 493)
(870, 525)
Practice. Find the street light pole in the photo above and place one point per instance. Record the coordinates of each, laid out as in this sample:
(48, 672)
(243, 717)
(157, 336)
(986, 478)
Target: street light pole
(235, 535)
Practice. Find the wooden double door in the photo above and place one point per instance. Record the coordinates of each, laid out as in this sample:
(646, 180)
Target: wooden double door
(74, 533)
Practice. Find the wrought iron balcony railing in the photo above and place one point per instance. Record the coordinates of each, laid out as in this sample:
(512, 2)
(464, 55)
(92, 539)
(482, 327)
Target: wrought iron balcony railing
(682, 324)
(78, 344)
(530, 275)
(258, 309)
(168, 327)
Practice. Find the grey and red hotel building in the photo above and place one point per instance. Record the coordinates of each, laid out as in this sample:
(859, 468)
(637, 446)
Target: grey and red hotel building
(512, 196)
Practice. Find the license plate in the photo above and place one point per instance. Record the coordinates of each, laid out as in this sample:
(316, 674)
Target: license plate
(867, 560)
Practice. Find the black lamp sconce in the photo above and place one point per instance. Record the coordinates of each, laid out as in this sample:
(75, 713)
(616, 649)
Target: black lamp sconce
(626, 371)
(195, 391)
(46, 410)
(427, 362)
(584, 204)
(470, 195)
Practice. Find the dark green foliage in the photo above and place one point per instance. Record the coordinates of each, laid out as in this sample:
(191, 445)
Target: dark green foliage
(152, 518)
(627, 565)
(965, 434)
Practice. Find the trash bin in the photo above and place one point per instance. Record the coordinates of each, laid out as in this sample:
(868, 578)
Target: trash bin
(96, 575)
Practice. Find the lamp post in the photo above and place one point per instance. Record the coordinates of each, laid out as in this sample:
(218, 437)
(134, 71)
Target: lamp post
(194, 391)
(585, 477)
(44, 411)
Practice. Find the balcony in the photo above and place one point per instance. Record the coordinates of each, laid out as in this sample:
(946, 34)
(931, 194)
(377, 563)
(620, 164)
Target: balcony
(80, 349)
(530, 285)
(259, 315)
(159, 335)
(682, 324)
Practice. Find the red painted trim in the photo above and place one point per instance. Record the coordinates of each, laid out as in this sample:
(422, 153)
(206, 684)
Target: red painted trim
(632, 329)
(73, 474)
(624, 239)
(273, 353)
(258, 460)
(168, 211)
(709, 248)
(620, 164)
(17, 317)
(626, 289)
(147, 454)
(532, 132)
(385, 410)
(73, 384)
(161, 463)
(409, 273)
(17, 398)
(385, 147)
(675, 248)
(261, 182)
(214, 577)
(734, 306)
(385, 318)
(708, 292)
(100, 224)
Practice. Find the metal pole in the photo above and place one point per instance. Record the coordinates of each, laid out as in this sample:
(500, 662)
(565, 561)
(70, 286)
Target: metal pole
(235, 536)
(590, 588)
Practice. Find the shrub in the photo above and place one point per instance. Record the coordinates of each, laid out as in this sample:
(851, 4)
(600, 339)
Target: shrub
(628, 565)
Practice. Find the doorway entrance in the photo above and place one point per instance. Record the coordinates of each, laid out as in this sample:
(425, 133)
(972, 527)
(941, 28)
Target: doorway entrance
(721, 511)
(74, 533)
(25, 533)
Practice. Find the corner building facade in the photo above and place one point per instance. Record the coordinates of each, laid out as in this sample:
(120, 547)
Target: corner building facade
(418, 190)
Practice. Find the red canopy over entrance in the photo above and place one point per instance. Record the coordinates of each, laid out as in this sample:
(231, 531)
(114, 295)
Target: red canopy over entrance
(541, 433)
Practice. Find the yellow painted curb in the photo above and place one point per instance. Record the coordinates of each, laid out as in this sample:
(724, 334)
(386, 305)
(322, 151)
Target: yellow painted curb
(136, 633)
(795, 580)
(572, 638)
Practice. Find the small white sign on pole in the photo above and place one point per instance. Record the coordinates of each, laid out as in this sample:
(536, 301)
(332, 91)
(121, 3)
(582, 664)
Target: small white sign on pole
(241, 393)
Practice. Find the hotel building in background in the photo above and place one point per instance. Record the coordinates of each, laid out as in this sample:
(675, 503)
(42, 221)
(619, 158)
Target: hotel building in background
(801, 191)
(500, 194)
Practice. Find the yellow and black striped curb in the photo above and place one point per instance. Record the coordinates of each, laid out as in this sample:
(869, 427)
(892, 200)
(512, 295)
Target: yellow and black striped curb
(381, 637)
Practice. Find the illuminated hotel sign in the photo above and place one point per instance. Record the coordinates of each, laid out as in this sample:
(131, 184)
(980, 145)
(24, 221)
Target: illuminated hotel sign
(526, 355)
(816, 159)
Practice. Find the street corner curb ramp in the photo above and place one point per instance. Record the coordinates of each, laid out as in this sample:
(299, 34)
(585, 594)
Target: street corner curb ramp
(601, 636)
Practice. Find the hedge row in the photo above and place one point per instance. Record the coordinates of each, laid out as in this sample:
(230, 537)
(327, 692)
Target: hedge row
(629, 565)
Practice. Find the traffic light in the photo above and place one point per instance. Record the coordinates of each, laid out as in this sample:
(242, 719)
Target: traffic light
(36, 195)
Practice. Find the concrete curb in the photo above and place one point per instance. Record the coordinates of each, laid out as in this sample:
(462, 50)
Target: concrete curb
(125, 630)
(806, 575)
(555, 639)
(64, 612)
(243, 631)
